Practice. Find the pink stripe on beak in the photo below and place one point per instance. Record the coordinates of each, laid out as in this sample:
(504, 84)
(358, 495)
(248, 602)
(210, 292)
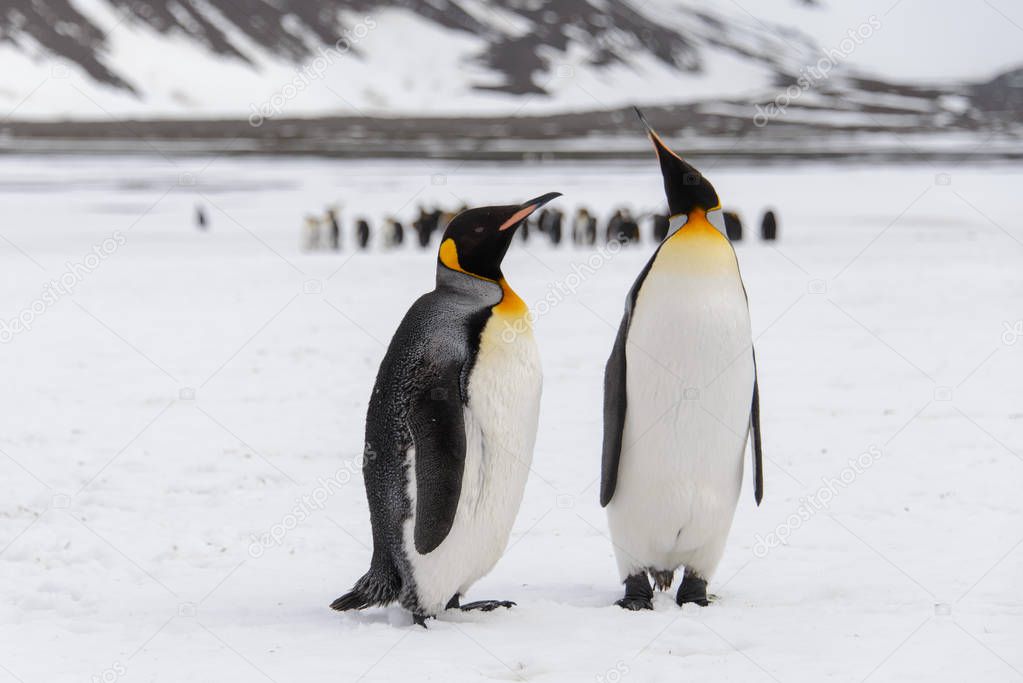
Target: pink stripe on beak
(518, 216)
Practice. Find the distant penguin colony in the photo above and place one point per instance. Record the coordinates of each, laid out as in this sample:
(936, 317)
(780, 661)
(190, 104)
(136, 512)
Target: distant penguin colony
(622, 227)
(680, 398)
(453, 415)
(451, 426)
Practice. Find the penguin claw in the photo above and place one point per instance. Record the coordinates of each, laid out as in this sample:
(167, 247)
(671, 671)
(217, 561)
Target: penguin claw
(486, 605)
(635, 604)
(420, 620)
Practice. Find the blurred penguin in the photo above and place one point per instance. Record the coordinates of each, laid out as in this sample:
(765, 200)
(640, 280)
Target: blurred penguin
(614, 228)
(543, 221)
(554, 231)
(394, 233)
(733, 225)
(435, 222)
(769, 226)
(526, 226)
(200, 217)
(582, 219)
(311, 235)
(590, 234)
(362, 233)
(397, 232)
(422, 228)
(334, 229)
(629, 228)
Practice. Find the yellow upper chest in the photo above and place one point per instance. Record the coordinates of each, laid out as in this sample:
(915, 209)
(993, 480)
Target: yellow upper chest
(698, 248)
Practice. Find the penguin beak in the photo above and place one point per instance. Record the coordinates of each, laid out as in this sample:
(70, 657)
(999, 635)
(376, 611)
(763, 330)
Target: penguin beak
(528, 208)
(664, 153)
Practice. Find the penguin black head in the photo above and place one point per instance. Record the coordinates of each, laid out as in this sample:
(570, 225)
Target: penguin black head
(685, 187)
(476, 240)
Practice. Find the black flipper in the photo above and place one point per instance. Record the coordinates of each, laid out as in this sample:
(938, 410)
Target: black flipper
(437, 423)
(615, 394)
(685, 189)
(758, 455)
(754, 427)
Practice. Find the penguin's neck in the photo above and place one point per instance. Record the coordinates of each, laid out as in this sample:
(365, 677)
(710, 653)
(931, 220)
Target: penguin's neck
(511, 304)
(697, 247)
(696, 227)
(450, 273)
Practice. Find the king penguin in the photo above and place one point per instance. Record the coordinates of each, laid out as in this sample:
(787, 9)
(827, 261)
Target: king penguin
(680, 400)
(451, 426)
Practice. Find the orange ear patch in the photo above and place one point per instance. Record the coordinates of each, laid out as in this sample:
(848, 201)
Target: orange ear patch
(449, 255)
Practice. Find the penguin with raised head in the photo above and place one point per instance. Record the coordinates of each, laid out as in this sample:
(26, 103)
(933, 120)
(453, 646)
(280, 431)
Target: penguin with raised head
(680, 400)
(451, 426)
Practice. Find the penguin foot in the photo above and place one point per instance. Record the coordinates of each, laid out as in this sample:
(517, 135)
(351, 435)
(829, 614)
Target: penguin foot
(638, 594)
(486, 605)
(694, 590)
(420, 619)
(635, 604)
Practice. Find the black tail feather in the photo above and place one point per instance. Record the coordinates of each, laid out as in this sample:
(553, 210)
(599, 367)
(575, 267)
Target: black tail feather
(374, 588)
(351, 600)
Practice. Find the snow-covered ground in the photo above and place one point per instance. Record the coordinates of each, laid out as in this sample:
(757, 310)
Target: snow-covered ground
(180, 434)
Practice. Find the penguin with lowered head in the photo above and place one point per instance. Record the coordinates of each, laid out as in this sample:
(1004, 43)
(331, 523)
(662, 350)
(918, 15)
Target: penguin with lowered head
(680, 401)
(451, 426)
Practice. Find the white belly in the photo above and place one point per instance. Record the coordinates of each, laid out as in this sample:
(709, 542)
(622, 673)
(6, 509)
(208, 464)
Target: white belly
(500, 423)
(690, 384)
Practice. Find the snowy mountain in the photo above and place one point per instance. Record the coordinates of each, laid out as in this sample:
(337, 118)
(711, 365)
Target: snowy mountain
(551, 70)
(221, 57)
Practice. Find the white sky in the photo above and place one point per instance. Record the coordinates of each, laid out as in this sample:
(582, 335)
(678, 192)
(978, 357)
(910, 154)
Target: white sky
(918, 39)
